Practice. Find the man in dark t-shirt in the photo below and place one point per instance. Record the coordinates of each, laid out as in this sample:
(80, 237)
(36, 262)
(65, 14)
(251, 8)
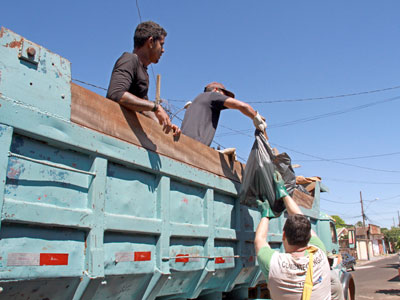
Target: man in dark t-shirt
(129, 81)
(201, 117)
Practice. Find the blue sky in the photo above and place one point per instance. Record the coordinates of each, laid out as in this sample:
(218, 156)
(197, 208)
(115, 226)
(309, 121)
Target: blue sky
(263, 51)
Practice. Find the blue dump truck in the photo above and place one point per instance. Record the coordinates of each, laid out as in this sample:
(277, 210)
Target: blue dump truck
(97, 203)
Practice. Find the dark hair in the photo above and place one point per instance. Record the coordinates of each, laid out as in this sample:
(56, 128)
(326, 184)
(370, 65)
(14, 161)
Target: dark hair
(297, 230)
(145, 30)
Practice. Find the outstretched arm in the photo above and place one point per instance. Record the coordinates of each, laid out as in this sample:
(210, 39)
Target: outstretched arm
(281, 192)
(247, 110)
(260, 239)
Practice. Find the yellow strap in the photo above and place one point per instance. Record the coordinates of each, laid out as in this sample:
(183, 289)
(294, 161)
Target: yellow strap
(308, 284)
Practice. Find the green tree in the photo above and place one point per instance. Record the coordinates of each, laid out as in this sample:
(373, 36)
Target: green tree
(392, 235)
(339, 222)
(359, 224)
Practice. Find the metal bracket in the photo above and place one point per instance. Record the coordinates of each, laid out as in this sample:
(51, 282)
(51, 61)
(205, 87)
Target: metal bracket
(29, 52)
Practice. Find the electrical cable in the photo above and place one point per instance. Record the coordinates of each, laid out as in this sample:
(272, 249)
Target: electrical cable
(339, 201)
(357, 181)
(316, 117)
(140, 19)
(337, 162)
(315, 98)
(351, 158)
(89, 84)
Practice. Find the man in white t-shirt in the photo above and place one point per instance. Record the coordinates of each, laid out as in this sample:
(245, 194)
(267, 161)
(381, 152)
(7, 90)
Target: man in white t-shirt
(286, 272)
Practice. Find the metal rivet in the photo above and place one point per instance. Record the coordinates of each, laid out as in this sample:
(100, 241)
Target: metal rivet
(31, 51)
(62, 96)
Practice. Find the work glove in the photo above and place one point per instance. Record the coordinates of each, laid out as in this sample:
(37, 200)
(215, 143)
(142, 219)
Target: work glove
(280, 189)
(259, 122)
(265, 209)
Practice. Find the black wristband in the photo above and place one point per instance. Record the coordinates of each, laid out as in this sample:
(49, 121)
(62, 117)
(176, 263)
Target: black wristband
(155, 107)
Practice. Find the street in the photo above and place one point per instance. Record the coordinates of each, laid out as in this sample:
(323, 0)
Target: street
(378, 279)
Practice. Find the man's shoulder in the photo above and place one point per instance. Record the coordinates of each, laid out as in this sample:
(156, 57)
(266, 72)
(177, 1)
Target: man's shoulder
(127, 58)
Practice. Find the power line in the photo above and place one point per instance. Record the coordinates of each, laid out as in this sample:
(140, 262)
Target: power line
(316, 117)
(138, 10)
(315, 98)
(338, 201)
(352, 158)
(357, 181)
(337, 162)
(90, 84)
(140, 19)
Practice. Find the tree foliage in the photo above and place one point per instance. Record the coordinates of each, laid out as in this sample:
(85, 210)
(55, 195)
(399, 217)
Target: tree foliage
(392, 235)
(359, 224)
(339, 222)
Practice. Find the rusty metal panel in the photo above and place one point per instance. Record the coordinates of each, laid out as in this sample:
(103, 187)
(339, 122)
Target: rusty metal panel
(101, 114)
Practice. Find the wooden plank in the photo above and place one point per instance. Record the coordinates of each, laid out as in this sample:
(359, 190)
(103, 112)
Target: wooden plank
(303, 199)
(93, 111)
(310, 187)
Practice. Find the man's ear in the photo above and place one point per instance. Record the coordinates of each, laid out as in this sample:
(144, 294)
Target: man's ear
(150, 42)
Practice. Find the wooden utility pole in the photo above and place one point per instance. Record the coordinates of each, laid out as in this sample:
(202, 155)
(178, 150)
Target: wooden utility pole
(158, 89)
(362, 209)
(398, 215)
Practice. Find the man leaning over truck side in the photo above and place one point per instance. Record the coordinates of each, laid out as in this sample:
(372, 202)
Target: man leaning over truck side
(202, 116)
(129, 83)
(286, 272)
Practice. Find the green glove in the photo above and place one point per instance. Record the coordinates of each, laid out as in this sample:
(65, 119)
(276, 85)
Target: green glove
(280, 189)
(265, 209)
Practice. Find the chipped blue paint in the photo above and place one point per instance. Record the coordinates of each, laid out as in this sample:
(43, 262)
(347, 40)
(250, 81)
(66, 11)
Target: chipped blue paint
(29, 83)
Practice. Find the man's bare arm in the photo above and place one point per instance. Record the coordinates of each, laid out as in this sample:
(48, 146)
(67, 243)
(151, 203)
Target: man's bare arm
(247, 110)
(260, 239)
(134, 103)
(244, 108)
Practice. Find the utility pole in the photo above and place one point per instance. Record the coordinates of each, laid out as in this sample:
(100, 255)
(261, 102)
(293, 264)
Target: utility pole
(362, 210)
(398, 215)
(366, 231)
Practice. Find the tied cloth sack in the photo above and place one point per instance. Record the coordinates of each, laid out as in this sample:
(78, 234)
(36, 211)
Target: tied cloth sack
(258, 183)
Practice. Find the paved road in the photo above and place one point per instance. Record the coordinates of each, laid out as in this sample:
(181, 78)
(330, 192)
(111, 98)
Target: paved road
(378, 280)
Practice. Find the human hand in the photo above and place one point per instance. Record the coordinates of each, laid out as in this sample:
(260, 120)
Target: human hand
(265, 209)
(163, 119)
(280, 189)
(259, 122)
(176, 130)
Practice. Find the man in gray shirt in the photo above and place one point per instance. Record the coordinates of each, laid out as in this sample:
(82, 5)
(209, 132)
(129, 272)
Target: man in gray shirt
(202, 116)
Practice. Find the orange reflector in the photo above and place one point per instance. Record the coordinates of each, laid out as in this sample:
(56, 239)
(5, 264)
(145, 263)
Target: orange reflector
(184, 259)
(142, 256)
(219, 260)
(53, 259)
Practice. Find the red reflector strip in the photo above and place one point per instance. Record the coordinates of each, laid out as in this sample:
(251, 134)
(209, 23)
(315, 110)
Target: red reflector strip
(184, 259)
(53, 259)
(143, 256)
(219, 260)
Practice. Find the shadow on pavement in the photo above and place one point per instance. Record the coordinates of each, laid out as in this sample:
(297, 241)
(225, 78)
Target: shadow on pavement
(389, 292)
